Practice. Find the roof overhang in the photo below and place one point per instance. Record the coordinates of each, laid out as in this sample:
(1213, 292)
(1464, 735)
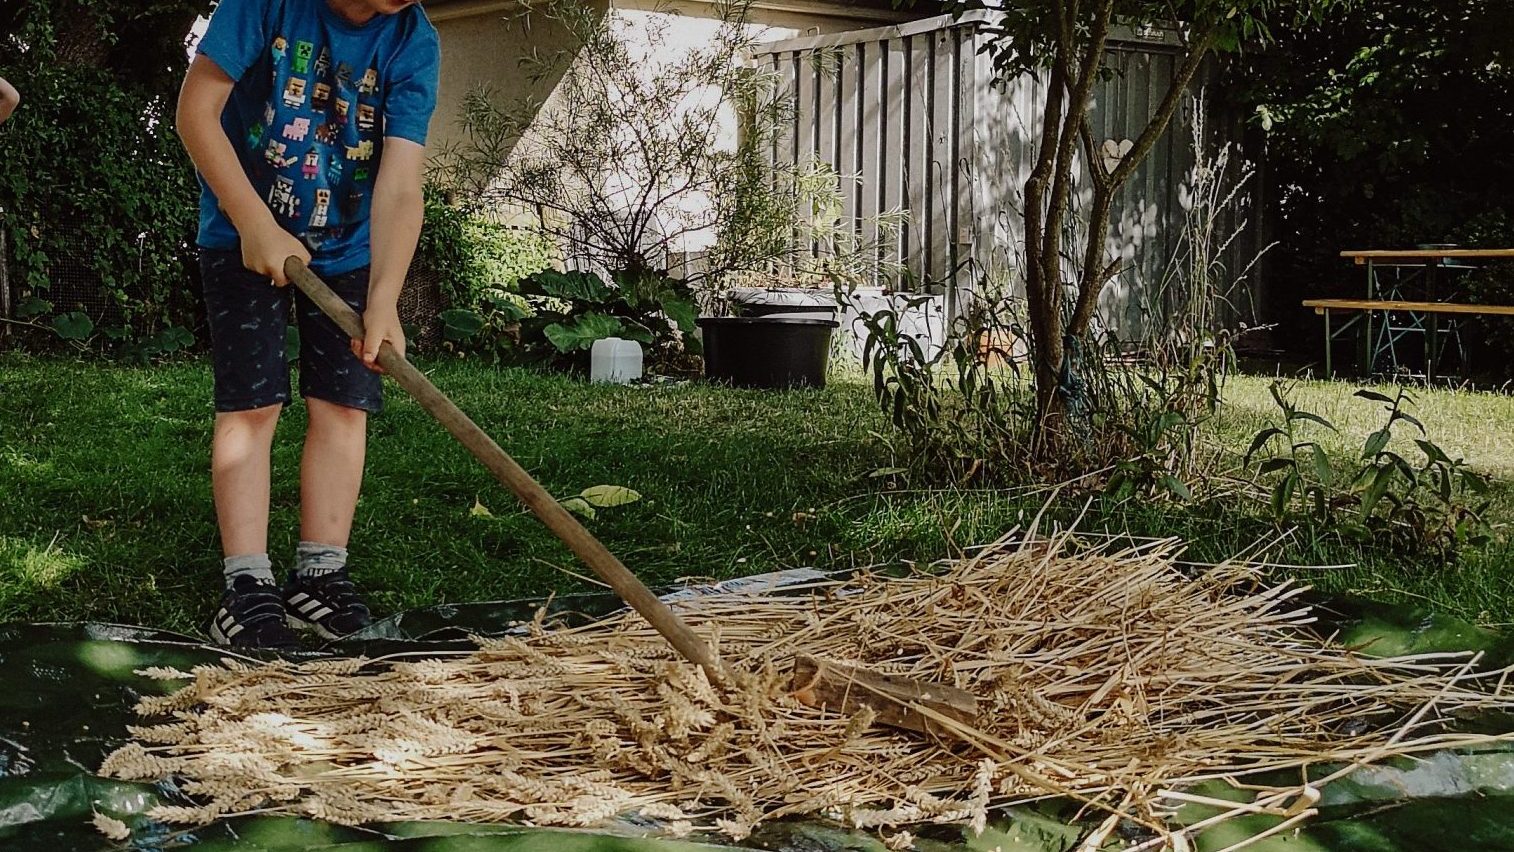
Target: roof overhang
(866, 11)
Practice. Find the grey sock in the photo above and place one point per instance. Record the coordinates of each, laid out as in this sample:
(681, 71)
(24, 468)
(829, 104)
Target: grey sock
(316, 559)
(255, 565)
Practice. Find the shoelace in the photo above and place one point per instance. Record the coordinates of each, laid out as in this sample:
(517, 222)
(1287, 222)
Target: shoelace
(340, 591)
(252, 607)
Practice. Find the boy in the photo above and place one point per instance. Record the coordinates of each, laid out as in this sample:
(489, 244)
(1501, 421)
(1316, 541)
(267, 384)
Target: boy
(302, 116)
(9, 99)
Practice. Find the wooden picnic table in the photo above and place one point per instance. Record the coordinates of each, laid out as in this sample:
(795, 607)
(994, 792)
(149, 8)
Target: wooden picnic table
(1417, 316)
(1419, 257)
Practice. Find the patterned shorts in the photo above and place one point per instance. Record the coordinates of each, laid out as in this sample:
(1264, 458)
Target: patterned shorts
(249, 319)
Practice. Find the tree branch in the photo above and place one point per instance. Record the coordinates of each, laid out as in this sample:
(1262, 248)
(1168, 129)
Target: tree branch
(1095, 274)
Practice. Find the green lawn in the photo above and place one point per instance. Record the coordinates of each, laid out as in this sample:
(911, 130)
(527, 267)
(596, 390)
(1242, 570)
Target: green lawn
(106, 508)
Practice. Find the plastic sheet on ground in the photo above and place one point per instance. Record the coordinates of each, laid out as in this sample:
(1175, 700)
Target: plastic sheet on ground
(66, 693)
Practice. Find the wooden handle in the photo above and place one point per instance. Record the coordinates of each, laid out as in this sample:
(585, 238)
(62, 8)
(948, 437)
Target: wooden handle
(506, 470)
(843, 689)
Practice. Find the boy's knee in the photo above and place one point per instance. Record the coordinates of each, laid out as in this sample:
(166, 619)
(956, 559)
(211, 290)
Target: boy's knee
(265, 415)
(335, 412)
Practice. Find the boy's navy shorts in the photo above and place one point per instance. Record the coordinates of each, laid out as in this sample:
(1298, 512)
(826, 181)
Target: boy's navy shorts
(249, 318)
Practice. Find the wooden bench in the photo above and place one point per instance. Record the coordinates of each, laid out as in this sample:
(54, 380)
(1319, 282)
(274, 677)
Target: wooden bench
(1326, 306)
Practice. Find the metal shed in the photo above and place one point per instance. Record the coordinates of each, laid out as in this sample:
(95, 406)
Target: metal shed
(915, 112)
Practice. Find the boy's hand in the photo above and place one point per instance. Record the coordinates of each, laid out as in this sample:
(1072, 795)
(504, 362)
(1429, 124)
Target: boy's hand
(381, 323)
(267, 246)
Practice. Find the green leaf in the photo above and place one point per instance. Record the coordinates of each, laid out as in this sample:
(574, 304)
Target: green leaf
(74, 325)
(32, 306)
(1405, 468)
(1175, 487)
(609, 496)
(1169, 421)
(1322, 465)
(1279, 395)
(1261, 440)
(1274, 465)
(1318, 495)
(1432, 452)
(632, 330)
(581, 333)
(1375, 443)
(1474, 482)
(1280, 496)
(1374, 396)
(460, 324)
(173, 339)
(579, 506)
(506, 306)
(641, 289)
(569, 286)
(1312, 418)
(1409, 418)
(682, 312)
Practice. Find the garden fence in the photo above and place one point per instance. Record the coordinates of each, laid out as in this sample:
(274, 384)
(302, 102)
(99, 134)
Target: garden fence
(915, 115)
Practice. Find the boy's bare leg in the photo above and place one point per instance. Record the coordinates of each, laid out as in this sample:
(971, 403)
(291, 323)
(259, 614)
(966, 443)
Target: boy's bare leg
(331, 471)
(240, 473)
(320, 595)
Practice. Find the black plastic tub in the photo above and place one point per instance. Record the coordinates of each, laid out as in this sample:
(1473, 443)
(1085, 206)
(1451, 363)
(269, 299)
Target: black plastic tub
(767, 352)
(817, 304)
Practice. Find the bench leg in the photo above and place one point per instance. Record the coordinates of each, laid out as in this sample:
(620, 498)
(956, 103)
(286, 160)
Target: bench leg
(1432, 348)
(1329, 347)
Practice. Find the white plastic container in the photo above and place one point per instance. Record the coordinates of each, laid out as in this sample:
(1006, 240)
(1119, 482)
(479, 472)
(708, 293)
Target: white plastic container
(615, 361)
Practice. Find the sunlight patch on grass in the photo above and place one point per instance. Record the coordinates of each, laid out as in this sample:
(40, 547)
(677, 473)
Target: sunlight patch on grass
(36, 568)
(1464, 423)
(22, 462)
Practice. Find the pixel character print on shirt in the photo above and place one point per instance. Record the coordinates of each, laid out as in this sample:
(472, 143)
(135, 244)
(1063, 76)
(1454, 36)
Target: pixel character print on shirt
(314, 97)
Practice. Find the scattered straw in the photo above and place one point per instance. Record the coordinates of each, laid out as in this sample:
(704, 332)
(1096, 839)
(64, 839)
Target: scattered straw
(1114, 678)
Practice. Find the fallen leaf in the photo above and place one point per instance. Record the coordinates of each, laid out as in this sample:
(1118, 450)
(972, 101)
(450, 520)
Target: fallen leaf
(608, 496)
(579, 506)
(479, 510)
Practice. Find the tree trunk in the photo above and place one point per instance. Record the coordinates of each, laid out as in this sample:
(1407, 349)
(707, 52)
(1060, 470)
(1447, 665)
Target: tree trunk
(1043, 269)
(1074, 72)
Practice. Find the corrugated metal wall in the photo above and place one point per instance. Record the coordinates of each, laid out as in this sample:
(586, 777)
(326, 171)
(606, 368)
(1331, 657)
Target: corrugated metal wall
(915, 112)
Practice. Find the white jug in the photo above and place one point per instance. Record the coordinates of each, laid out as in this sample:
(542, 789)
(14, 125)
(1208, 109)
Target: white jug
(615, 361)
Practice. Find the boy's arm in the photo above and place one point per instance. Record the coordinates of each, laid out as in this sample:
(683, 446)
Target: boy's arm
(9, 99)
(265, 244)
(395, 226)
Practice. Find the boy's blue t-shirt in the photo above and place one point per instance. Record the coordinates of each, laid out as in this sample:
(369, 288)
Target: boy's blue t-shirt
(314, 98)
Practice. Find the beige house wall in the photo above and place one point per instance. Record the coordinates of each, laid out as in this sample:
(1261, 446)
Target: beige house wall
(483, 41)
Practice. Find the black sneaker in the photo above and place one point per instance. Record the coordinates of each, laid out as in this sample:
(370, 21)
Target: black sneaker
(326, 603)
(252, 616)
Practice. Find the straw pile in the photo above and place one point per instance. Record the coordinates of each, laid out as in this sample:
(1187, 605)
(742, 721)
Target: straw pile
(1114, 678)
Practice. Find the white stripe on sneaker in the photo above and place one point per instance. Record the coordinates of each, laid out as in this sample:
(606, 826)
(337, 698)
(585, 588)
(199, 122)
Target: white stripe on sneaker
(235, 629)
(322, 614)
(298, 597)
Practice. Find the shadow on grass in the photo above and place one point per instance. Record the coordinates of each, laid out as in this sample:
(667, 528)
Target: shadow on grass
(108, 513)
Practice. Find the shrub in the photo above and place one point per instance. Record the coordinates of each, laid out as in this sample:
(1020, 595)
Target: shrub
(473, 254)
(93, 173)
(480, 263)
(555, 318)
